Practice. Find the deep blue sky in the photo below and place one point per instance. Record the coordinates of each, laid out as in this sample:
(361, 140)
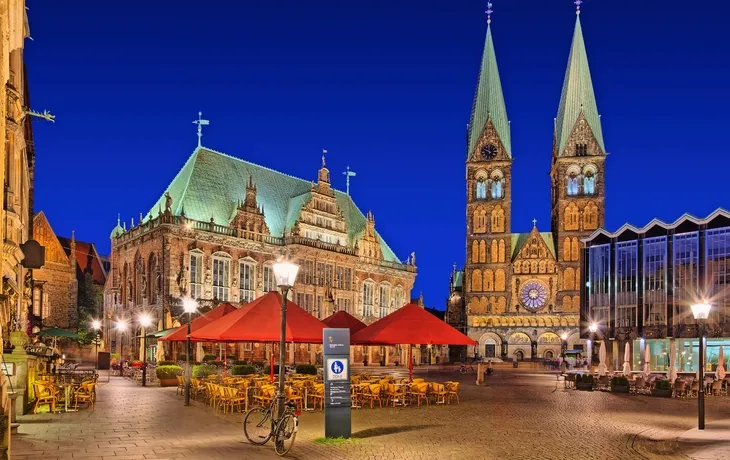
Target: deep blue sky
(386, 87)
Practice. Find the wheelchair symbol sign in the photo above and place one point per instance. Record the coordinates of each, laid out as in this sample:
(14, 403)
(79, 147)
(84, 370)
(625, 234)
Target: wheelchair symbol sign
(337, 369)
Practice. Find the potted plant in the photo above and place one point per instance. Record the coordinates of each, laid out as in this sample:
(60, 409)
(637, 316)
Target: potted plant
(242, 369)
(167, 375)
(202, 371)
(584, 382)
(307, 369)
(619, 384)
(662, 389)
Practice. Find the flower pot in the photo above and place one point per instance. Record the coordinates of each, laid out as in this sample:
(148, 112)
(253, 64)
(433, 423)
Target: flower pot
(661, 393)
(168, 382)
(583, 386)
(619, 389)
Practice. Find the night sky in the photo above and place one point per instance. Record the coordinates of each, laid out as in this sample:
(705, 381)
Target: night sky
(386, 87)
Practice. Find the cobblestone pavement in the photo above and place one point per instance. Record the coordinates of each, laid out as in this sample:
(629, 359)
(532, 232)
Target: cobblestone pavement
(516, 415)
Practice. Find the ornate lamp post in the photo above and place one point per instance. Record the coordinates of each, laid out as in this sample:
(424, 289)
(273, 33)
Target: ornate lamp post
(190, 306)
(701, 312)
(96, 325)
(285, 273)
(145, 321)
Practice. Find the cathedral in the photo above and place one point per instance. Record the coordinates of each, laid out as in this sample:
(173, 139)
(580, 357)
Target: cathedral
(518, 294)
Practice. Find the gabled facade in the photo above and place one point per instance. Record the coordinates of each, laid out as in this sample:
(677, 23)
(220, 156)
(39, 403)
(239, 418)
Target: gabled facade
(222, 223)
(519, 293)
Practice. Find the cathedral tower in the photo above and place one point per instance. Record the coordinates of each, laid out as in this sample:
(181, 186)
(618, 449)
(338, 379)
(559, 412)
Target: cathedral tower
(489, 196)
(577, 173)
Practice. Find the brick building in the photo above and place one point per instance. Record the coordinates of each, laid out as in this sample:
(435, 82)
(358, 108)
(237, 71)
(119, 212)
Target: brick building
(222, 223)
(519, 293)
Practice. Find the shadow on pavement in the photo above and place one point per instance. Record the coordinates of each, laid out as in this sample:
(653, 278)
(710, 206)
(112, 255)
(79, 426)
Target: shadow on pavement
(386, 430)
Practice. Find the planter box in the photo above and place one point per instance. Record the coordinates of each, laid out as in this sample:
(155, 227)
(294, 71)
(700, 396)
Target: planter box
(661, 393)
(582, 386)
(619, 389)
(168, 382)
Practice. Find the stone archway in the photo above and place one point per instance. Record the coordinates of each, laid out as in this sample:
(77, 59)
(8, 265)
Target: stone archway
(549, 343)
(490, 345)
(519, 341)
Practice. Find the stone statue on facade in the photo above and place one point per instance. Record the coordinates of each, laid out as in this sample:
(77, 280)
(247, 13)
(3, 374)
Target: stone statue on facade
(168, 203)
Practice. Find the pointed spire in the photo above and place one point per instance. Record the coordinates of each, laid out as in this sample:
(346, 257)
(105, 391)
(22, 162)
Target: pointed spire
(488, 98)
(577, 97)
(119, 219)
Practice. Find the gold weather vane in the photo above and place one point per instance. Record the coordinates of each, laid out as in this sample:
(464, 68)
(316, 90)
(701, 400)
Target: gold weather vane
(578, 3)
(489, 12)
(200, 122)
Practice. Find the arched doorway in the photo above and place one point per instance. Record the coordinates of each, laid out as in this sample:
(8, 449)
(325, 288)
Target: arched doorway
(519, 355)
(519, 342)
(548, 354)
(549, 342)
(490, 345)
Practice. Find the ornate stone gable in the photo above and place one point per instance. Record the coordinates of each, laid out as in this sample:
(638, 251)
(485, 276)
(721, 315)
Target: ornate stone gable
(369, 244)
(489, 137)
(581, 142)
(249, 215)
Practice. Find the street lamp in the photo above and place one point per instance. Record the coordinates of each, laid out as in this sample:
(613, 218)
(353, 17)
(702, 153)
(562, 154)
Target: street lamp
(701, 312)
(593, 328)
(190, 306)
(145, 321)
(285, 273)
(96, 325)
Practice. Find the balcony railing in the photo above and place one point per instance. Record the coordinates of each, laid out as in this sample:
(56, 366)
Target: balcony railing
(212, 227)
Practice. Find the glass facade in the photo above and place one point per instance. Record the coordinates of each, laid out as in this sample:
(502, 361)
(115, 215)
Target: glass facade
(686, 275)
(687, 357)
(627, 288)
(718, 273)
(599, 283)
(655, 281)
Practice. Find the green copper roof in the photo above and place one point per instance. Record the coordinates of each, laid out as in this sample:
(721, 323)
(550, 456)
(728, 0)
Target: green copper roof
(118, 230)
(577, 95)
(489, 101)
(211, 184)
(519, 239)
(459, 279)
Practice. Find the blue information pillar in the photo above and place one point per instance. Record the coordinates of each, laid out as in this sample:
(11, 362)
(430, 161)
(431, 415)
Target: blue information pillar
(337, 405)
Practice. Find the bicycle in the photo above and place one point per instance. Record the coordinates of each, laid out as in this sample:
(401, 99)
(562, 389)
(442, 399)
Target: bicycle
(466, 368)
(260, 424)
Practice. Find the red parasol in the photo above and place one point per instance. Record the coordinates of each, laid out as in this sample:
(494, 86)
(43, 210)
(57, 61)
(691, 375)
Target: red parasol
(181, 334)
(344, 320)
(410, 325)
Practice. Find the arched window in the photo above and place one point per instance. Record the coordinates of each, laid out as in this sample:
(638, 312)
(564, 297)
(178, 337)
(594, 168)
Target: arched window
(566, 249)
(572, 183)
(589, 183)
(480, 220)
(497, 220)
(482, 251)
(566, 303)
(497, 185)
(155, 279)
(488, 280)
(569, 279)
(590, 217)
(495, 252)
(475, 252)
(499, 279)
(575, 250)
(501, 250)
(483, 307)
(140, 282)
(482, 189)
(501, 305)
(571, 217)
(476, 281)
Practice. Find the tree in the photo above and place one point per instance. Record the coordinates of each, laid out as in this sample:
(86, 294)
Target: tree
(90, 299)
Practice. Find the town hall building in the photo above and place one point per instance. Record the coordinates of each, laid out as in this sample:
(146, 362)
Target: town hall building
(518, 294)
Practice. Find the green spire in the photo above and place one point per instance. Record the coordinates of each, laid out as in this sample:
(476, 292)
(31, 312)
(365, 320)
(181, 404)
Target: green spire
(118, 230)
(489, 101)
(577, 96)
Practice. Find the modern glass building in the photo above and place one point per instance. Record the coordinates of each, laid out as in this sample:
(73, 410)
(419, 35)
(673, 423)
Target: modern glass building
(638, 285)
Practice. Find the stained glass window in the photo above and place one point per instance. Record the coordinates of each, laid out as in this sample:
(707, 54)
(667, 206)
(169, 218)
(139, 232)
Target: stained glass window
(533, 295)
(481, 190)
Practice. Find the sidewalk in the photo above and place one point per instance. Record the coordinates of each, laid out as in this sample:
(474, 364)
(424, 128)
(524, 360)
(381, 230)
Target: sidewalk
(711, 444)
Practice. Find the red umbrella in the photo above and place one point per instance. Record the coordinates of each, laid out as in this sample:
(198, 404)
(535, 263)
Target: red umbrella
(181, 333)
(344, 320)
(410, 325)
(260, 321)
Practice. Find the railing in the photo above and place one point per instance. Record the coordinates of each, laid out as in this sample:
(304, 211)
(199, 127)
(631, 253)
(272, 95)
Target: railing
(212, 227)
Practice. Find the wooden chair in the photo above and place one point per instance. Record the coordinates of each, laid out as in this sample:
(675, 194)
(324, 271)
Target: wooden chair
(43, 395)
(452, 391)
(718, 389)
(85, 394)
(294, 396)
(438, 391)
(419, 391)
(180, 385)
(374, 395)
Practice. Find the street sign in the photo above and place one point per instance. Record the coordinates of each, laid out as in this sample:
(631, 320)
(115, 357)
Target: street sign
(337, 405)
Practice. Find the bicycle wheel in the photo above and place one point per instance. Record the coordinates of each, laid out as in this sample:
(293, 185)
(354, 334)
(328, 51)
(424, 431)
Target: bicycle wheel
(258, 426)
(285, 433)
(462, 369)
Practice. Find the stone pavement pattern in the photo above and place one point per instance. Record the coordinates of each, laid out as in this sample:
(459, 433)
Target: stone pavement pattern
(517, 415)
